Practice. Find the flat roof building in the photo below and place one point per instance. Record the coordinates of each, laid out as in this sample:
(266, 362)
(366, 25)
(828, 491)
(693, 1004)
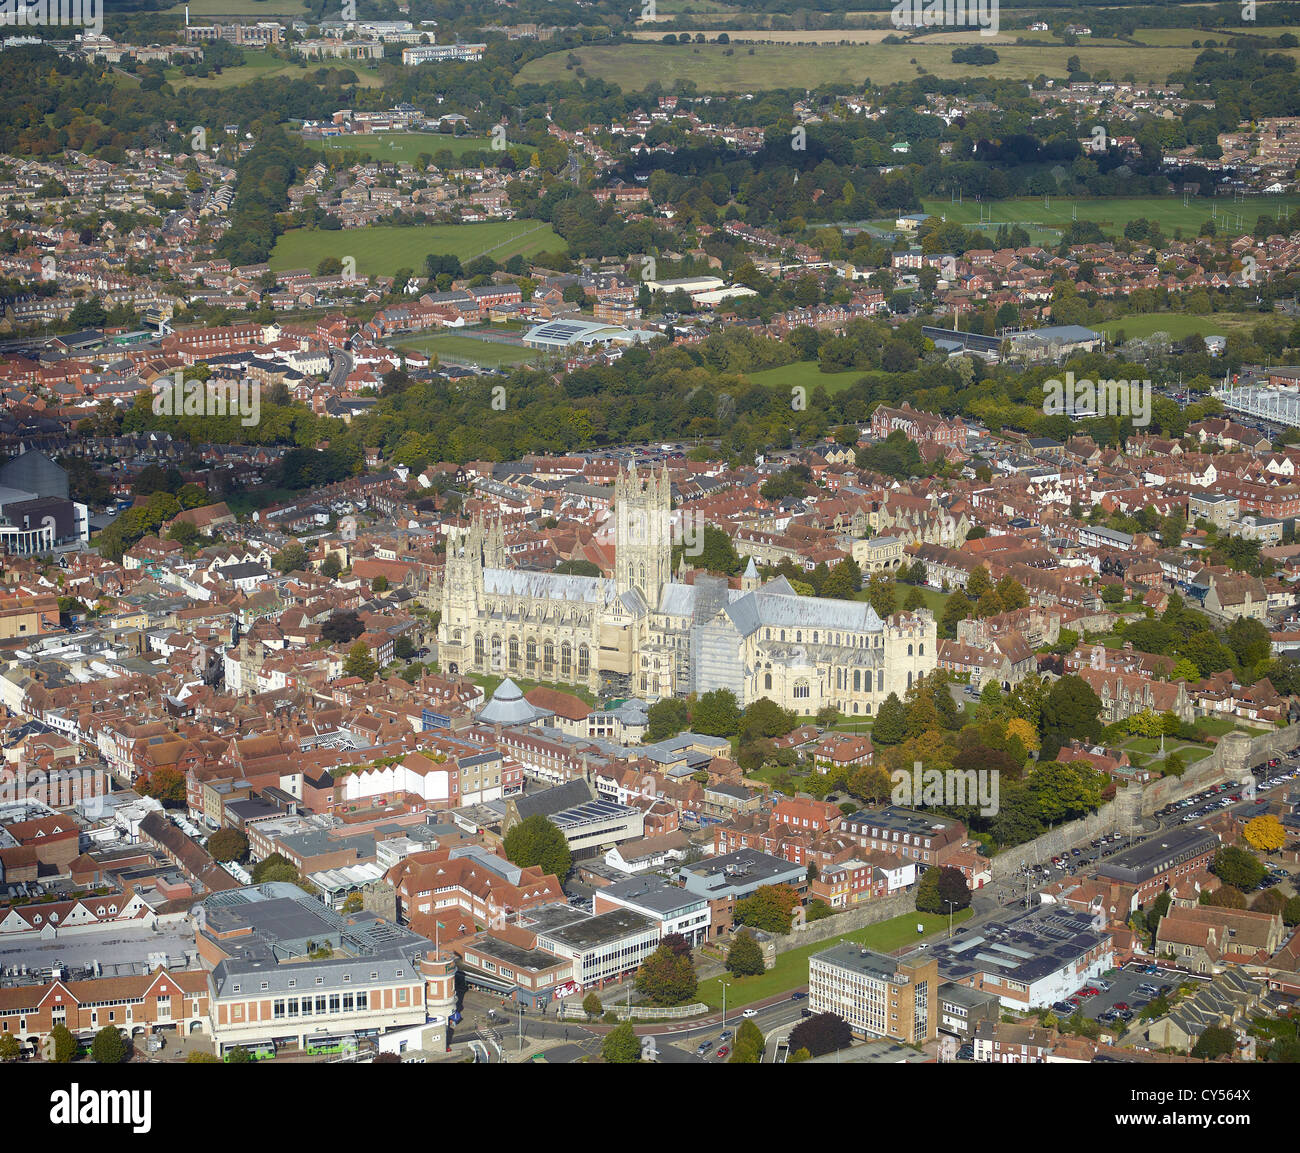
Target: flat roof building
(878, 995)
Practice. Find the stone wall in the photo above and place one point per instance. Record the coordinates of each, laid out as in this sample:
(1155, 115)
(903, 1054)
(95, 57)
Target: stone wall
(829, 928)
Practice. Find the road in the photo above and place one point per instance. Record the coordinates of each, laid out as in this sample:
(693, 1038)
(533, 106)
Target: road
(340, 368)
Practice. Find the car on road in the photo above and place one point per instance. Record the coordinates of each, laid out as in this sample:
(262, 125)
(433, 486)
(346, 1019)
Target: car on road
(797, 996)
(750, 1013)
(721, 1054)
(805, 1012)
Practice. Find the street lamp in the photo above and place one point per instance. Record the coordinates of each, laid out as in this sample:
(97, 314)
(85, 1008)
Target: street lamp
(725, 987)
(950, 905)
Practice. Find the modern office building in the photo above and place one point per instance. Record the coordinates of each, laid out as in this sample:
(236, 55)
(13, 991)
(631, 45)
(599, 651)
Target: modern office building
(878, 995)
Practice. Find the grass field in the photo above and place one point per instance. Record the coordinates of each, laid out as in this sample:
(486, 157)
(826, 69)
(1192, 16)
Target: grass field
(262, 9)
(935, 600)
(634, 66)
(380, 250)
(808, 374)
(263, 66)
(403, 147)
(791, 968)
(465, 349)
(1183, 324)
(1046, 218)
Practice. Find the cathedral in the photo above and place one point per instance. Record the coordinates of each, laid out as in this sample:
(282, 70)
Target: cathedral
(641, 633)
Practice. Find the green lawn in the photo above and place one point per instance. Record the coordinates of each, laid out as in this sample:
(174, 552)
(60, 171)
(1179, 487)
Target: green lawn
(381, 249)
(401, 146)
(1045, 218)
(262, 65)
(263, 9)
(1182, 324)
(634, 66)
(791, 968)
(934, 599)
(456, 349)
(488, 683)
(807, 373)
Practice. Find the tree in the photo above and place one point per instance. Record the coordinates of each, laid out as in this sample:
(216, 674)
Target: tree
(64, 1047)
(745, 957)
(1270, 901)
(667, 717)
(239, 1056)
(821, 1033)
(108, 1047)
(716, 714)
(1291, 911)
(353, 903)
(1250, 641)
(621, 1045)
(202, 1057)
(164, 784)
(747, 1048)
(360, 663)
(10, 1050)
(591, 1006)
(228, 845)
(1070, 710)
(765, 718)
(1216, 1041)
(667, 977)
(957, 609)
(538, 841)
(290, 558)
(379, 584)
(1238, 868)
(330, 568)
(403, 648)
(769, 908)
(891, 722)
(342, 627)
(1264, 834)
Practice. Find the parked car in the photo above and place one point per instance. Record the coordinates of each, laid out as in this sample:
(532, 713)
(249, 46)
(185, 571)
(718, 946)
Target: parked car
(1120, 1006)
(721, 1054)
(1089, 992)
(1103, 985)
(704, 1047)
(725, 1035)
(1063, 1007)
(966, 1053)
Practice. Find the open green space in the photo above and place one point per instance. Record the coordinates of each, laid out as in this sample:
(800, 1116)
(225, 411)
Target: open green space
(935, 600)
(402, 147)
(1044, 218)
(1183, 324)
(263, 65)
(489, 682)
(456, 349)
(262, 9)
(791, 968)
(634, 66)
(380, 249)
(808, 374)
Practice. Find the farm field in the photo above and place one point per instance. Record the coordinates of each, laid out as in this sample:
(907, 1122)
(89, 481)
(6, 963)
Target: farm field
(262, 66)
(403, 147)
(634, 66)
(380, 250)
(827, 36)
(457, 349)
(1048, 217)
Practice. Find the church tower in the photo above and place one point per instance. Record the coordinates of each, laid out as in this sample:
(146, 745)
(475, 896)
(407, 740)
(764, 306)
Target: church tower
(462, 595)
(643, 550)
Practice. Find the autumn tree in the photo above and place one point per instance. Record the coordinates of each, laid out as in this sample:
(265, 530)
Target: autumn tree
(1264, 834)
(769, 907)
(667, 977)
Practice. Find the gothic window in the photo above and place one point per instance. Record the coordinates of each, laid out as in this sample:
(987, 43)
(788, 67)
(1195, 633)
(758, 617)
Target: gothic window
(767, 681)
(530, 655)
(566, 660)
(496, 652)
(857, 680)
(920, 650)
(584, 661)
(801, 690)
(513, 647)
(548, 657)
(909, 679)
(479, 653)
(909, 650)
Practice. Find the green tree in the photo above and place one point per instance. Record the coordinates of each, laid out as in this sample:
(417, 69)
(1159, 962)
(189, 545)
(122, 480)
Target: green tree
(1238, 868)
(353, 903)
(291, 558)
(667, 717)
(769, 907)
(745, 956)
(360, 663)
(591, 1006)
(10, 1050)
(538, 841)
(1216, 1041)
(228, 845)
(1250, 641)
(1070, 710)
(239, 1056)
(379, 584)
(621, 1045)
(957, 609)
(202, 1057)
(716, 714)
(747, 1048)
(667, 977)
(891, 722)
(108, 1047)
(765, 718)
(64, 1045)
